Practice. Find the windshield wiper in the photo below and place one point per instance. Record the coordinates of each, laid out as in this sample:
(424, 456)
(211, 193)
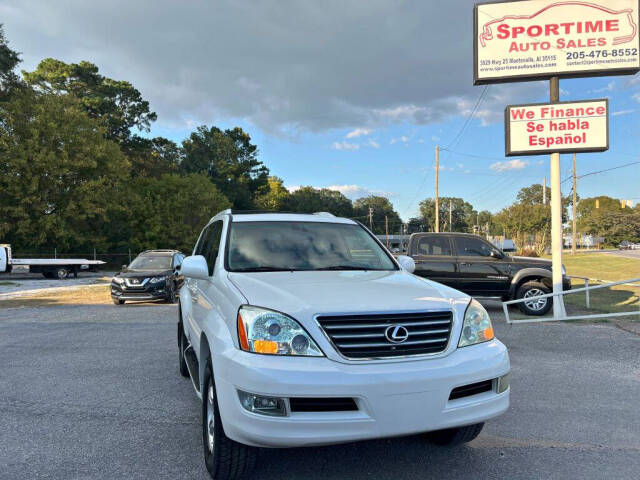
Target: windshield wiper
(344, 267)
(263, 268)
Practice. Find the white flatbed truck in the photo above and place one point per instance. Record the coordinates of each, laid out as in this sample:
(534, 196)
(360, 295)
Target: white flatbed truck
(60, 268)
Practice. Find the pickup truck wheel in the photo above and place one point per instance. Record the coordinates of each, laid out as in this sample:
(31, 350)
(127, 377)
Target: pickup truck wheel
(171, 295)
(225, 459)
(117, 301)
(456, 436)
(62, 273)
(182, 345)
(534, 307)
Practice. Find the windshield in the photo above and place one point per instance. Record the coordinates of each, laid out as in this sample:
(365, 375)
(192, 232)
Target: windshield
(286, 246)
(151, 262)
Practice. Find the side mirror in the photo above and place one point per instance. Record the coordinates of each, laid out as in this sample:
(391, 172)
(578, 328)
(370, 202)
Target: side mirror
(195, 266)
(406, 263)
(124, 267)
(496, 254)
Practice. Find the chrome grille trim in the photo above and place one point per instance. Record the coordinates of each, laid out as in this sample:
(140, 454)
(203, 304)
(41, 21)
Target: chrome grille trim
(362, 336)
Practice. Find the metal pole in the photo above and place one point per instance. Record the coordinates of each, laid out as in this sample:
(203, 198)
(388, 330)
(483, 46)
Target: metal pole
(556, 217)
(573, 208)
(55, 252)
(386, 229)
(94, 253)
(437, 229)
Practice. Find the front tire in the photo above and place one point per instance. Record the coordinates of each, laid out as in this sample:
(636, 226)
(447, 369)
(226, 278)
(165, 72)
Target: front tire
(62, 273)
(225, 459)
(117, 301)
(171, 295)
(534, 307)
(456, 436)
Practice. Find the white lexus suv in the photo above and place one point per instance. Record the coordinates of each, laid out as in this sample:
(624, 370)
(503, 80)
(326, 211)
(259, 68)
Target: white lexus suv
(300, 330)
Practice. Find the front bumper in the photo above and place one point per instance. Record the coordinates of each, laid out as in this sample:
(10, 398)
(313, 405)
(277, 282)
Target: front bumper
(393, 399)
(150, 292)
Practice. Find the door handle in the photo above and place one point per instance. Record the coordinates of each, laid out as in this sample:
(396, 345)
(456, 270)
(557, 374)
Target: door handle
(465, 264)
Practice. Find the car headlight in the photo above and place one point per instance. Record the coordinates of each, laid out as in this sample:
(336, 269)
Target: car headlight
(158, 279)
(265, 331)
(117, 280)
(476, 327)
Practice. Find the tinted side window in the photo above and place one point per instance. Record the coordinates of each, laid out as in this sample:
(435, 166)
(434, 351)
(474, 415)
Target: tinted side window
(469, 247)
(212, 244)
(434, 245)
(198, 249)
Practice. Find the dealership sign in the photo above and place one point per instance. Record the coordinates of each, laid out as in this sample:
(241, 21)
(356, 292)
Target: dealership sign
(537, 129)
(530, 39)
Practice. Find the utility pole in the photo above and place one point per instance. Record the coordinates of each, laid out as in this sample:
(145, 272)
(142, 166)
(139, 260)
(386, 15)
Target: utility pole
(386, 229)
(371, 218)
(574, 209)
(449, 215)
(544, 191)
(556, 217)
(437, 229)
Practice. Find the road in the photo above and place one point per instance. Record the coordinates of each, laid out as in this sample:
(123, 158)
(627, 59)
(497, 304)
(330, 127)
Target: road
(93, 392)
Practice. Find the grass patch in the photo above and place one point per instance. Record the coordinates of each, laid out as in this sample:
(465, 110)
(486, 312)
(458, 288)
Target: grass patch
(621, 298)
(82, 295)
(7, 284)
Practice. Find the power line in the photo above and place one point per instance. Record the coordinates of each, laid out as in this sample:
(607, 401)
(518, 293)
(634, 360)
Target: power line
(602, 171)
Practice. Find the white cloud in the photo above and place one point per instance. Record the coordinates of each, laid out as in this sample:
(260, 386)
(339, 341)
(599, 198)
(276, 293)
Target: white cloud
(608, 88)
(345, 146)
(637, 97)
(373, 143)
(435, 138)
(403, 139)
(515, 164)
(358, 132)
(622, 112)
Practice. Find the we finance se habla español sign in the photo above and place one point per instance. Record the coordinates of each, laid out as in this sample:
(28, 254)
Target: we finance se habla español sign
(534, 39)
(544, 128)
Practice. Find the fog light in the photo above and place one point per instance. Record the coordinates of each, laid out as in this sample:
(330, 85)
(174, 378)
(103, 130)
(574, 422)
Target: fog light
(503, 383)
(263, 405)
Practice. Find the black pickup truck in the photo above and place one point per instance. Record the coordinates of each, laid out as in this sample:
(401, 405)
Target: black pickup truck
(471, 264)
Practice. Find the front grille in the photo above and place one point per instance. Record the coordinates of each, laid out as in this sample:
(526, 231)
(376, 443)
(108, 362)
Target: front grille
(335, 404)
(471, 389)
(363, 336)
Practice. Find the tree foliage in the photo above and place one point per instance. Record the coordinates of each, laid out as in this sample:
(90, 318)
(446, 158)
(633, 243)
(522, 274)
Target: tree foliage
(382, 208)
(462, 214)
(117, 102)
(608, 220)
(9, 60)
(311, 200)
(231, 161)
(58, 171)
(275, 197)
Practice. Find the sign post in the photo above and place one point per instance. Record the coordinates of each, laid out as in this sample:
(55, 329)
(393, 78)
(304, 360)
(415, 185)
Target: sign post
(556, 217)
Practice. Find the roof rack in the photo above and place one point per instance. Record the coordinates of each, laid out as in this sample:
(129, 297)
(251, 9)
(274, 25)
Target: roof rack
(324, 214)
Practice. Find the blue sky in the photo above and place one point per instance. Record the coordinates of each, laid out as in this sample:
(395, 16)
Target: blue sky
(345, 94)
(397, 161)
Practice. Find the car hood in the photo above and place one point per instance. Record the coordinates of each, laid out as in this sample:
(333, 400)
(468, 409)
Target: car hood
(312, 293)
(143, 273)
(532, 261)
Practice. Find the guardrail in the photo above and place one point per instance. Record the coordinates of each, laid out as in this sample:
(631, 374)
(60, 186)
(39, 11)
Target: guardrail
(586, 289)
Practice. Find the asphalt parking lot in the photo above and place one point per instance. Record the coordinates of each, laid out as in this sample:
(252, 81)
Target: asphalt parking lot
(93, 392)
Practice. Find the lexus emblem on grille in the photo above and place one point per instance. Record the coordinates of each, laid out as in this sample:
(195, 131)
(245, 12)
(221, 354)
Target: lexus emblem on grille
(396, 333)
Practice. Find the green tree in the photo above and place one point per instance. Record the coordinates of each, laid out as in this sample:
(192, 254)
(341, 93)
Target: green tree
(382, 208)
(311, 200)
(170, 211)
(529, 226)
(275, 198)
(58, 172)
(153, 157)
(416, 225)
(604, 216)
(231, 161)
(9, 59)
(117, 102)
(462, 214)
